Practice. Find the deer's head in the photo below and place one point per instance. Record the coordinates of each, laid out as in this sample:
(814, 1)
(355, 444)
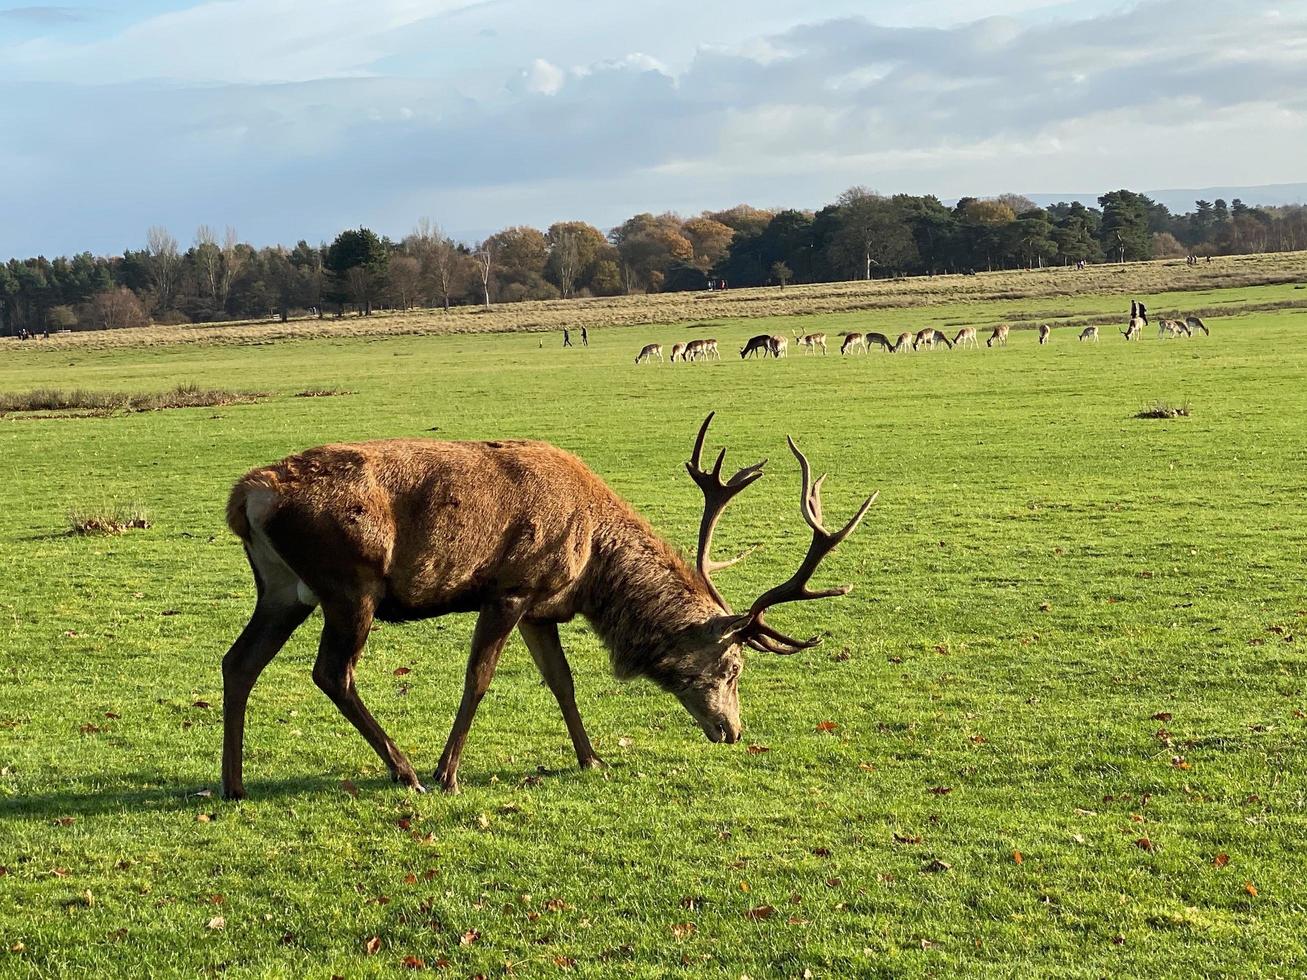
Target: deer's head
(704, 667)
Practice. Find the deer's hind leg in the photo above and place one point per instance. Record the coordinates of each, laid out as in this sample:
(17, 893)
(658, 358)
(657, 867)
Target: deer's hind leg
(547, 651)
(345, 630)
(277, 614)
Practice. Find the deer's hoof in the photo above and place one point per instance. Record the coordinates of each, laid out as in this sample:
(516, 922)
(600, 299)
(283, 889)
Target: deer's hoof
(233, 792)
(448, 782)
(593, 762)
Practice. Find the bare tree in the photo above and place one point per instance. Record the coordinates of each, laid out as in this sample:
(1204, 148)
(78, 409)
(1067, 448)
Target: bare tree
(405, 280)
(233, 258)
(565, 255)
(208, 257)
(485, 257)
(165, 263)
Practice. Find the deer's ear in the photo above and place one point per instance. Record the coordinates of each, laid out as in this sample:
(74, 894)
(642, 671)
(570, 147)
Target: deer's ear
(734, 629)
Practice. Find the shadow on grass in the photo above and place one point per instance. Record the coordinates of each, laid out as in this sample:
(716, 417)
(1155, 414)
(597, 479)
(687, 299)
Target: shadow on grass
(132, 792)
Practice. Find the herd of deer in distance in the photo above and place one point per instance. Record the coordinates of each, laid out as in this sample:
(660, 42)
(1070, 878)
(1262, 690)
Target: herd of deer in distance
(861, 343)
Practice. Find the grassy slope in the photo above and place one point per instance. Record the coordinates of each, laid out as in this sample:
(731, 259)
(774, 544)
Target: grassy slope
(1164, 552)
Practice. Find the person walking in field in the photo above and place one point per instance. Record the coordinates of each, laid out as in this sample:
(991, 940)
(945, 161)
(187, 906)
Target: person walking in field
(585, 337)
(567, 338)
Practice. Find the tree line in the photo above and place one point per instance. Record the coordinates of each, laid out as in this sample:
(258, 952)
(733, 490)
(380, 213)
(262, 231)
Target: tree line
(862, 235)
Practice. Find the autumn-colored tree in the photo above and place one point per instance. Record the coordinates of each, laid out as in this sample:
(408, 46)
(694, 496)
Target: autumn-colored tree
(710, 240)
(648, 245)
(574, 248)
(743, 218)
(114, 309)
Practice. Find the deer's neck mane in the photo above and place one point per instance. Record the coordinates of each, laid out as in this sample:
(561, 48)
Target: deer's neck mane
(641, 596)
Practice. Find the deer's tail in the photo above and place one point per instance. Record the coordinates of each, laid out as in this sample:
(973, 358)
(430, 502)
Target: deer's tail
(238, 515)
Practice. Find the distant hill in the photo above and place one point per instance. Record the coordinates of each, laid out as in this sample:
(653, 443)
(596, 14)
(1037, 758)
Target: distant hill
(1182, 200)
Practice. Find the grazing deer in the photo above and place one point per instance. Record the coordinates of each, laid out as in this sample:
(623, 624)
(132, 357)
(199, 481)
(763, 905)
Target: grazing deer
(778, 345)
(709, 349)
(754, 345)
(648, 352)
(811, 341)
(967, 335)
(678, 350)
(694, 350)
(1089, 333)
(999, 336)
(520, 532)
(1045, 332)
(1196, 323)
(853, 342)
(903, 344)
(1135, 328)
(1171, 328)
(929, 337)
(878, 340)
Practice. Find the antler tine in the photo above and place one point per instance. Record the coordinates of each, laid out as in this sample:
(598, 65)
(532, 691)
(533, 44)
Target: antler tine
(716, 495)
(823, 543)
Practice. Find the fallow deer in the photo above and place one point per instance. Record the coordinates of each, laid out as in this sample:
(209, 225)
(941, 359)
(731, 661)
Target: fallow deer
(853, 342)
(648, 352)
(1172, 328)
(903, 344)
(999, 336)
(878, 340)
(693, 350)
(1134, 329)
(967, 335)
(929, 337)
(778, 345)
(1045, 332)
(709, 349)
(811, 341)
(760, 344)
(1196, 323)
(522, 533)
(678, 350)
(1089, 333)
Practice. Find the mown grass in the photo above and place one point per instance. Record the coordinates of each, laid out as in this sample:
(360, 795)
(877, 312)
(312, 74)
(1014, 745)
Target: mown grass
(1072, 632)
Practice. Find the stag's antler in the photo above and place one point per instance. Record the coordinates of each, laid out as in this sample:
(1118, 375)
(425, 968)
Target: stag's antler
(716, 495)
(758, 634)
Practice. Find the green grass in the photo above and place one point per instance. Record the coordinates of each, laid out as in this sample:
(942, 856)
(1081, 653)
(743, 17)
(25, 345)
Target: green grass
(1043, 574)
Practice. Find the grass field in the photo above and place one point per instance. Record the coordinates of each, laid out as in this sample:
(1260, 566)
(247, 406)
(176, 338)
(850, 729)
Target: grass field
(1066, 699)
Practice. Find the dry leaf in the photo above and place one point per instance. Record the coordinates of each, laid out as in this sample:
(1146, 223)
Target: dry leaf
(795, 920)
(683, 930)
(412, 963)
(372, 946)
(1250, 888)
(349, 789)
(691, 902)
(941, 790)
(744, 886)
(834, 882)
(1221, 860)
(201, 704)
(826, 726)
(556, 905)
(760, 913)
(907, 838)
(1144, 844)
(866, 767)
(217, 922)
(410, 879)
(1016, 857)
(1162, 716)
(936, 865)
(758, 749)
(564, 962)
(821, 852)
(469, 937)
(401, 671)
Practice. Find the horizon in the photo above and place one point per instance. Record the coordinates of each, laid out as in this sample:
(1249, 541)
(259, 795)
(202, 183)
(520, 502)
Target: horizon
(292, 121)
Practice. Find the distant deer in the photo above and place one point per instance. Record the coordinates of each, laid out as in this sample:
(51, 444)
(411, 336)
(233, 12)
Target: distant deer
(1172, 328)
(1089, 333)
(778, 345)
(967, 335)
(903, 344)
(1045, 332)
(929, 337)
(878, 340)
(811, 341)
(678, 350)
(710, 349)
(1196, 323)
(999, 336)
(853, 342)
(1135, 328)
(693, 350)
(520, 532)
(648, 352)
(760, 344)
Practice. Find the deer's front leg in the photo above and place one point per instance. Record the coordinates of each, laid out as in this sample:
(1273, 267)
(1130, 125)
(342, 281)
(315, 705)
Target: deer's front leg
(495, 624)
(547, 651)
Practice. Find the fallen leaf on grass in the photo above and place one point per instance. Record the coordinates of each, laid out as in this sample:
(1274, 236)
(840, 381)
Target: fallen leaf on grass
(1016, 857)
(1162, 716)
(941, 790)
(1144, 844)
(89, 729)
(760, 913)
(469, 937)
(683, 930)
(744, 886)
(217, 922)
(821, 852)
(691, 902)
(64, 821)
(401, 671)
(349, 789)
(1250, 888)
(758, 749)
(1179, 762)
(907, 838)
(564, 962)
(834, 882)
(557, 905)
(866, 767)
(1221, 860)
(412, 963)
(624, 742)
(372, 946)
(410, 879)
(201, 704)
(796, 920)
(936, 865)
(826, 726)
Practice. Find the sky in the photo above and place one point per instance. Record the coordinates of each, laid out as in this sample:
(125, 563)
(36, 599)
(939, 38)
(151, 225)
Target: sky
(291, 119)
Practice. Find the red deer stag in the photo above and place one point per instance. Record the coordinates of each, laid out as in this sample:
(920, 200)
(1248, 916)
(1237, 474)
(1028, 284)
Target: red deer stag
(520, 532)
